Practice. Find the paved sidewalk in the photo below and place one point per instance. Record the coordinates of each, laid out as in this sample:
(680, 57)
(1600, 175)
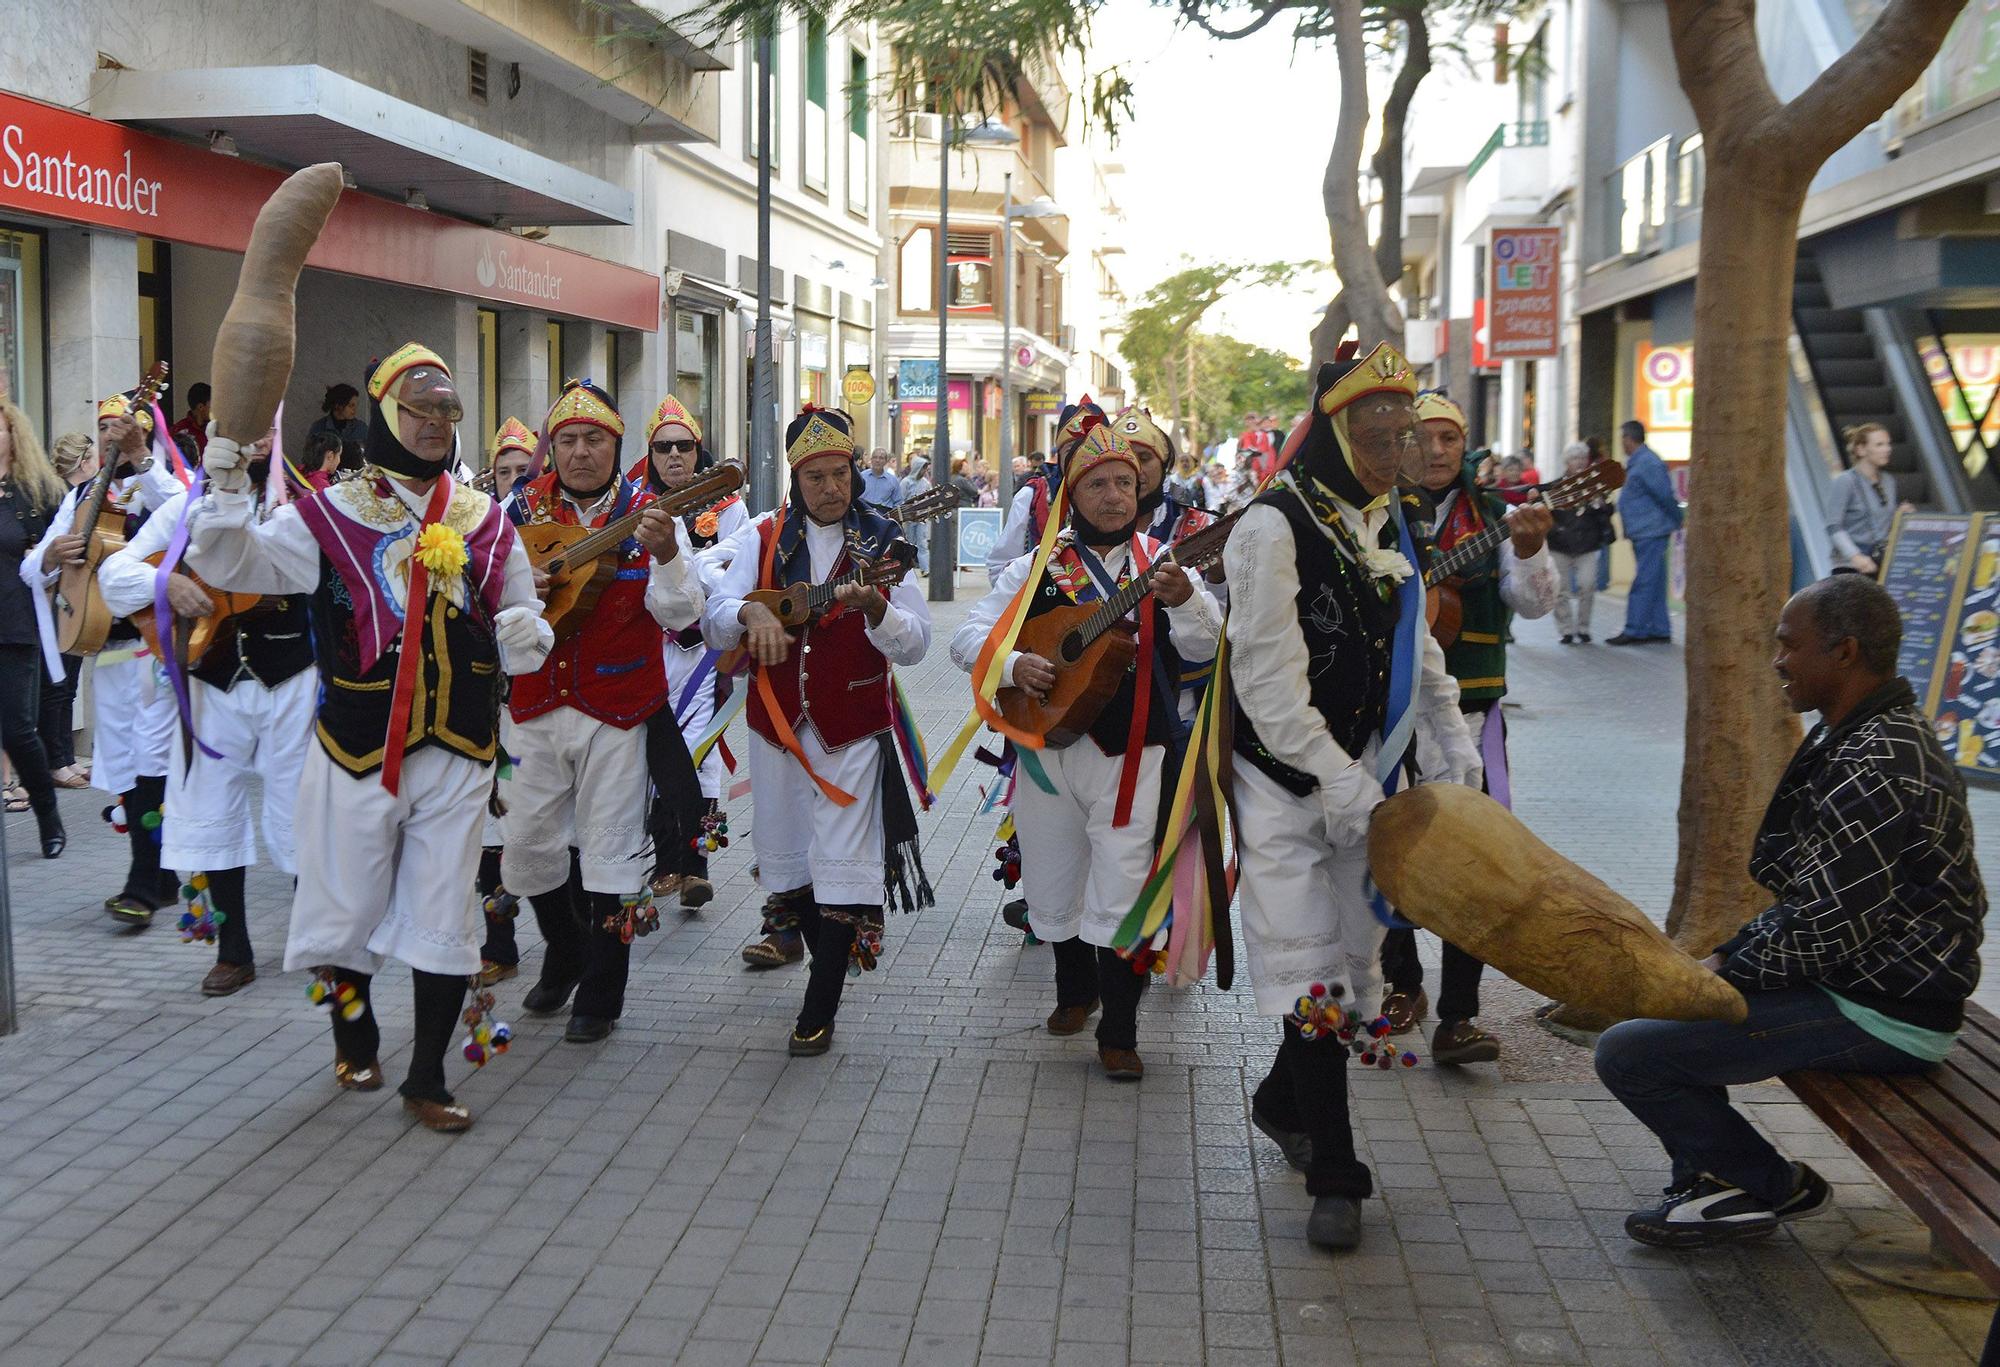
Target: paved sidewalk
(181, 1181)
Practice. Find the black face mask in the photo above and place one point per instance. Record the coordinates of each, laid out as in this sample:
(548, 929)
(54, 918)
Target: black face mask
(386, 449)
(1150, 503)
(1090, 534)
(588, 495)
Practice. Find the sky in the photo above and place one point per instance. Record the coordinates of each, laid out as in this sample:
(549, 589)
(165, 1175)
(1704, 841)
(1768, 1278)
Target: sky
(1223, 157)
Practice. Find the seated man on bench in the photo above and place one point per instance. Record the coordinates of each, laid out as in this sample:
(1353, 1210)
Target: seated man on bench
(1870, 947)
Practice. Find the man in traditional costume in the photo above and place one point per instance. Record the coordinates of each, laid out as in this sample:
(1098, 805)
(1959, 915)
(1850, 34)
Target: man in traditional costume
(395, 793)
(834, 832)
(132, 725)
(1333, 673)
(250, 710)
(1520, 578)
(574, 797)
(1163, 517)
(1086, 813)
(1028, 512)
(674, 459)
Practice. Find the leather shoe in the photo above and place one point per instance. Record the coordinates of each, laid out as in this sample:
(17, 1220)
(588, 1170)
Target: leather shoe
(1296, 1145)
(1335, 1222)
(696, 893)
(1627, 639)
(546, 998)
(129, 910)
(775, 950)
(54, 838)
(1405, 1009)
(446, 1117)
(366, 1078)
(812, 1045)
(1121, 1065)
(225, 979)
(491, 974)
(587, 1029)
(1459, 1042)
(1069, 1020)
(1015, 914)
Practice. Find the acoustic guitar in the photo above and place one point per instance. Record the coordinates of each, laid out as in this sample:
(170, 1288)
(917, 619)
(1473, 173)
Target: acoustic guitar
(798, 604)
(82, 620)
(1092, 646)
(581, 562)
(1443, 606)
(194, 637)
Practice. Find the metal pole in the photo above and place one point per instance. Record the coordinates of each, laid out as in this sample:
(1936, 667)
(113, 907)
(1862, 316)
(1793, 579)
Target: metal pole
(1004, 476)
(764, 488)
(944, 532)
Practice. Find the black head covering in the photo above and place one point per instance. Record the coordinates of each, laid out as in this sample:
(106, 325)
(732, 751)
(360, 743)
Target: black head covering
(1320, 453)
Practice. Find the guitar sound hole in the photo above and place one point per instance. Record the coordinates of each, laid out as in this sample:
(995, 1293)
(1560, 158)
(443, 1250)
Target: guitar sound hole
(1071, 649)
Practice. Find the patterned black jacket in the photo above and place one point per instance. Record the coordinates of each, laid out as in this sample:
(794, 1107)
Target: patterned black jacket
(1867, 846)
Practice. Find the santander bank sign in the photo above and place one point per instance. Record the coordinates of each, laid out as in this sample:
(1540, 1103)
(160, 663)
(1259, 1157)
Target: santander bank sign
(58, 164)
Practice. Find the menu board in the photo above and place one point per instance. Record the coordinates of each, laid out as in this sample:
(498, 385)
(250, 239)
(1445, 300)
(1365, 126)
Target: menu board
(1944, 573)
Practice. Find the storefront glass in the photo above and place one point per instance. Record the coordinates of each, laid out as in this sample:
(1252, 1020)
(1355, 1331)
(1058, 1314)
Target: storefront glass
(22, 330)
(489, 378)
(815, 350)
(697, 335)
(1964, 372)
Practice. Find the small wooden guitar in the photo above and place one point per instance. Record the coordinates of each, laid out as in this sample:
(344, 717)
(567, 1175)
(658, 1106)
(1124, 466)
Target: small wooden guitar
(1443, 605)
(580, 562)
(1092, 646)
(193, 637)
(82, 620)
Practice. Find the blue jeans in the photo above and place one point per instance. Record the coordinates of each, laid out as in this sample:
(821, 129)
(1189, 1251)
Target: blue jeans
(1675, 1077)
(1646, 607)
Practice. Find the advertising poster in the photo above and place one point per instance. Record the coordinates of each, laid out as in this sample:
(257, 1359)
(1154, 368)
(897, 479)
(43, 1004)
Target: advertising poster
(1943, 570)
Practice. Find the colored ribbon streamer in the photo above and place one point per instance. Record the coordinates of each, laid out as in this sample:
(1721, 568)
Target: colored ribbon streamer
(702, 670)
(166, 449)
(1405, 660)
(415, 605)
(1493, 753)
(166, 624)
(781, 725)
(712, 735)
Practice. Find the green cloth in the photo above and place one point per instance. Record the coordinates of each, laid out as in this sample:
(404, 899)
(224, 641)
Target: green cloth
(1478, 658)
(1929, 1045)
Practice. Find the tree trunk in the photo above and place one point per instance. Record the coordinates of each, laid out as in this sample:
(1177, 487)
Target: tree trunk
(1739, 730)
(1332, 326)
(1387, 163)
(1340, 190)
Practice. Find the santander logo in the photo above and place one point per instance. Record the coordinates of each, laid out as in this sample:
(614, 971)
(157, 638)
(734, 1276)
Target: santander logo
(486, 271)
(497, 274)
(58, 174)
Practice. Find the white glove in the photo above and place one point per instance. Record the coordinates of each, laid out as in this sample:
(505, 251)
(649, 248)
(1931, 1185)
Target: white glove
(1464, 765)
(519, 629)
(225, 461)
(1347, 802)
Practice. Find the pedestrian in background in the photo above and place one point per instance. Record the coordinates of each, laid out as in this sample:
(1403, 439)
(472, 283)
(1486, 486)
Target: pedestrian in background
(29, 495)
(879, 484)
(915, 483)
(961, 480)
(340, 415)
(74, 457)
(193, 428)
(1861, 502)
(1578, 538)
(1651, 514)
(1597, 453)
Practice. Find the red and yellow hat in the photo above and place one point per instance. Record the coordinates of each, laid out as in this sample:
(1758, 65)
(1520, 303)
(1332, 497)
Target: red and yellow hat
(1381, 371)
(409, 356)
(1099, 444)
(514, 435)
(582, 401)
(817, 432)
(1436, 404)
(672, 409)
(120, 406)
(1076, 420)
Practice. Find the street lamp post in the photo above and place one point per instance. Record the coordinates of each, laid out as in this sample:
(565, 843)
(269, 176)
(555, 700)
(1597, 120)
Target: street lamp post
(763, 461)
(1009, 211)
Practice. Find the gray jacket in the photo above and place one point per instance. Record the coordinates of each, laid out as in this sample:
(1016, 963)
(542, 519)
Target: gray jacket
(1858, 513)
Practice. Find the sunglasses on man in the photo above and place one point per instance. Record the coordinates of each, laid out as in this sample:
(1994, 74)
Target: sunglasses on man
(667, 448)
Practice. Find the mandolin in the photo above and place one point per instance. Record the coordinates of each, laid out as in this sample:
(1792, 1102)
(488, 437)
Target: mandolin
(82, 621)
(580, 562)
(1092, 646)
(193, 637)
(1443, 607)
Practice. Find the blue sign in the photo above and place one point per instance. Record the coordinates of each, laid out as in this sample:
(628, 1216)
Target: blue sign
(916, 381)
(978, 533)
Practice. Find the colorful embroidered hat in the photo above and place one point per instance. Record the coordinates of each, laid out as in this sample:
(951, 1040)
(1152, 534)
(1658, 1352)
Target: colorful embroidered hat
(1075, 420)
(1100, 442)
(1435, 403)
(672, 409)
(1136, 425)
(817, 432)
(1381, 371)
(120, 406)
(514, 435)
(409, 356)
(582, 401)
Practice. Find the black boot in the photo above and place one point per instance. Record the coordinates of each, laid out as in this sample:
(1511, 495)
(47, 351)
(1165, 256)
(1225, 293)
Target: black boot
(440, 996)
(357, 1042)
(49, 825)
(235, 966)
(144, 892)
(560, 914)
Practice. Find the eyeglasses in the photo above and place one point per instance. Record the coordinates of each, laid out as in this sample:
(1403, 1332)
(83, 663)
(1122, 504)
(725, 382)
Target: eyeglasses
(667, 448)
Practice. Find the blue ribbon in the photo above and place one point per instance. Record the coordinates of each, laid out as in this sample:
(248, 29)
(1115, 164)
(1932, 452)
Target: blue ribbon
(1405, 675)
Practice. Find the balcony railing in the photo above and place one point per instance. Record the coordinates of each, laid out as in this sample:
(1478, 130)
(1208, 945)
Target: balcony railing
(1534, 134)
(1661, 183)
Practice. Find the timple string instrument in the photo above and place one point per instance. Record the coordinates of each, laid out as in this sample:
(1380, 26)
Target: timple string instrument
(1443, 576)
(82, 620)
(580, 562)
(1092, 646)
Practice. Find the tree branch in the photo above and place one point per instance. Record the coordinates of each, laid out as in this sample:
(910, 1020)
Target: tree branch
(1191, 12)
(1387, 163)
(1721, 70)
(1852, 92)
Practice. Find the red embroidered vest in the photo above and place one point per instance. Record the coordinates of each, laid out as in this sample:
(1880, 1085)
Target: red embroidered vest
(834, 680)
(613, 669)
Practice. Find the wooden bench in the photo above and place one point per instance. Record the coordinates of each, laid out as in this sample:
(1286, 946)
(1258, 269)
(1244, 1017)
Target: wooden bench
(1934, 1138)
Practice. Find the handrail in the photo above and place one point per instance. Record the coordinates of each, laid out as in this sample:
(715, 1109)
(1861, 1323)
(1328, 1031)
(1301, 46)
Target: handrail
(1529, 134)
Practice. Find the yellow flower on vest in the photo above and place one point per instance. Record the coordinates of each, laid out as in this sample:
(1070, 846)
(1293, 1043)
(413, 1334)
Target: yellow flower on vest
(441, 551)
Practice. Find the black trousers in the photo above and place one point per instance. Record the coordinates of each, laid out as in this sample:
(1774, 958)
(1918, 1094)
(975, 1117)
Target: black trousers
(1306, 1090)
(1088, 973)
(21, 721)
(58, 713)
(145, 881)
(580, 949)
(232, 937)
(829, 935)
(439, 997)
(500, 946)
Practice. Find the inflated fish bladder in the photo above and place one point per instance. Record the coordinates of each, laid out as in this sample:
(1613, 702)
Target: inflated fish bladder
(1456, 862)
(253, 347)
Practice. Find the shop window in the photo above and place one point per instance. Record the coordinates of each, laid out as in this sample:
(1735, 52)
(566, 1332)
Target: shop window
(916, 271)
(555, 355)
(971, 267)
(815, 127)
(752, 69)
(156, 314)
(815, 348)
(1964, 373)
(697, 339)
(857, 131)
(489, 379)
(22, 325)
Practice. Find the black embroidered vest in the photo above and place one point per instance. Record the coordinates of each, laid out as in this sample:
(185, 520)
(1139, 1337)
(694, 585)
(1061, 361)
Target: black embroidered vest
(270, 645)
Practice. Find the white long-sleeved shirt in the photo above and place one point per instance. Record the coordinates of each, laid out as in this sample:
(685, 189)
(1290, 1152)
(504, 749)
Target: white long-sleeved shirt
(903, 635)
(1527, 587)
(1196, 625)
(231, 549)
(1012, 543)
(1269, 666)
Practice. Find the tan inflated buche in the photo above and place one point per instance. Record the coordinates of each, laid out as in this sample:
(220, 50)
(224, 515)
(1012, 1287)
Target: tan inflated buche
(1458, 863)
(253, 348)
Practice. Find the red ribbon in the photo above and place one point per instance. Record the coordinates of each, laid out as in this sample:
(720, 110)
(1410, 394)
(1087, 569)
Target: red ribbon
(416, 604)
(1142, 698)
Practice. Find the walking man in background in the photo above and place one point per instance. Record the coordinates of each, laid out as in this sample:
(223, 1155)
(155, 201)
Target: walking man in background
(1652, 514)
